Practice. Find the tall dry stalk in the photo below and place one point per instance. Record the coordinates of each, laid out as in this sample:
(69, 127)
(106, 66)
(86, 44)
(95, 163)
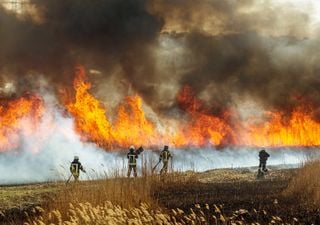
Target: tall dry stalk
(306, 184)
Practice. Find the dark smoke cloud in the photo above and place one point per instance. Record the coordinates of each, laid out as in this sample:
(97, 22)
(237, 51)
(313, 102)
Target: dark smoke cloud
(97, 34)
(224, 50)
(26, 46)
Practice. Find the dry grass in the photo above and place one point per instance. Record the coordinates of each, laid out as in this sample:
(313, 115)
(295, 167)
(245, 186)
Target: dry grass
(90, 202)
(124, 192)
(108, 213)
(306, 184)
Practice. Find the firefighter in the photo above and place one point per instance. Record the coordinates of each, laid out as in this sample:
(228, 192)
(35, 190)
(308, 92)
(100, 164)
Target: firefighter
(75, 168)
(132, 161)
(263, 156)
(164, 157)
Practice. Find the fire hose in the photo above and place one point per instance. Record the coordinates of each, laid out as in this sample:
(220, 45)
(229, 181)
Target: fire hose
(68, 179)
(153, 169)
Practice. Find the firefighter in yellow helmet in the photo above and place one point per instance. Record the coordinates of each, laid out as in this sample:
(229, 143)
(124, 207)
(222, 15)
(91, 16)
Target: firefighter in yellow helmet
(75, 168)
(165, 155)
(132, 161)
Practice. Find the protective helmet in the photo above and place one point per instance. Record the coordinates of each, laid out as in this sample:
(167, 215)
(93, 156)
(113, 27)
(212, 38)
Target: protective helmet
(76, 157)
(166, 147)
(132, 148)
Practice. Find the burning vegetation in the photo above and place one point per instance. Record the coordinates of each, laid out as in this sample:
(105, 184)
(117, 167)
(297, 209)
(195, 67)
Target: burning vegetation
(196, 126)
(92, 121)
(19, 116)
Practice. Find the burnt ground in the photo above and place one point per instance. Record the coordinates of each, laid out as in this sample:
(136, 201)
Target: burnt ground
(18, 200)
(263, 198)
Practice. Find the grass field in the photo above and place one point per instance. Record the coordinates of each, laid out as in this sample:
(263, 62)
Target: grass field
(224, 196)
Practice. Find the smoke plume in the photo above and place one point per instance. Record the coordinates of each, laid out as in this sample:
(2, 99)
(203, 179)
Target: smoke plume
(234, 49)
(225, 50)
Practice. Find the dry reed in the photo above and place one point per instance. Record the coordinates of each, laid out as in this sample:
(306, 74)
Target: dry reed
(306, 184)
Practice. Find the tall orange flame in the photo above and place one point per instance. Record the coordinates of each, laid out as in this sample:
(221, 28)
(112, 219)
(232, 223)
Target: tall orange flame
(90, 116)
(16, 116)
(198, 127)
(130, 127)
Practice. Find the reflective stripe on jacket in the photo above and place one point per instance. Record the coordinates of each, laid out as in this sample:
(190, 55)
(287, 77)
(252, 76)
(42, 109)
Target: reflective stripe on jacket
(165, 155)
(132, 159)
(75, 168)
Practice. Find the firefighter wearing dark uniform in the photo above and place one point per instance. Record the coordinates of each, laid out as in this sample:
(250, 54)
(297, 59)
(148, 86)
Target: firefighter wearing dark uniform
(164, 157)
(75, 168)
(263, 156)
(132, 161)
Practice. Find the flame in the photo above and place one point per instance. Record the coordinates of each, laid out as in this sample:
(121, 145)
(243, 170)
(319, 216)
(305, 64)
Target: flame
(90, 115)
(19, 116)
(132, 127)
(196, 126)
(299, 130)
(201, 128)
(92, 122)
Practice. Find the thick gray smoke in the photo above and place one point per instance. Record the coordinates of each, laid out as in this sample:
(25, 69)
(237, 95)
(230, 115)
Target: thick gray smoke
(226, 51)
(234, 49)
